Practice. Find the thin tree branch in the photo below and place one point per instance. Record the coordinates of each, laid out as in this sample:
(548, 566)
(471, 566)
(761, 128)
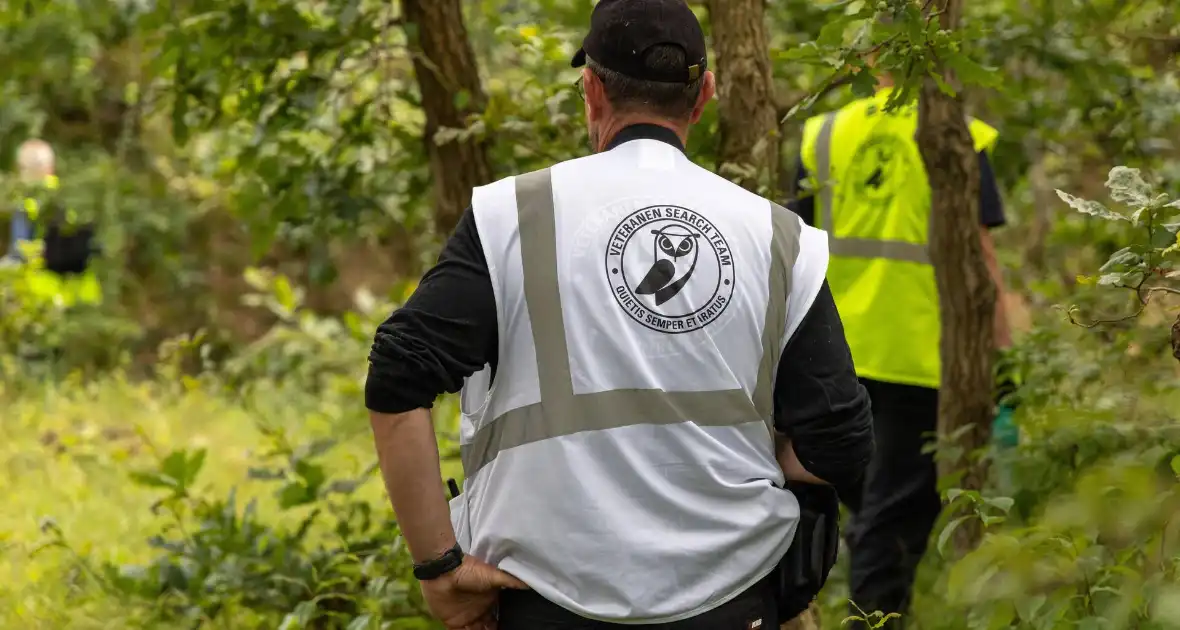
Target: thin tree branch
(1144, 296)
(1099, 322)
(784, 109)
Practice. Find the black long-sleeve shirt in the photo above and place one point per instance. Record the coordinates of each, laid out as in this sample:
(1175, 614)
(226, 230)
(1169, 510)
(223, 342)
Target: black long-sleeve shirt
(447, 330)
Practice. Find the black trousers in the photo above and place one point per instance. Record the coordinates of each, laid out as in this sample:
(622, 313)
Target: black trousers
(752, 610)
(896, 510)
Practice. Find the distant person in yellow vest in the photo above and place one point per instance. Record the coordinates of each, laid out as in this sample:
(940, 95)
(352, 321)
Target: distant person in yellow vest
(62, 275)
(876, 212)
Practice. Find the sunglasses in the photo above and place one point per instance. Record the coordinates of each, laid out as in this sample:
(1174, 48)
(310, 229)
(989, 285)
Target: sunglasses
(581, 89)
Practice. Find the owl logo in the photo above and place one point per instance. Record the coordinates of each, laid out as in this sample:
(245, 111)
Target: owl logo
(653, 253)
(676, 254)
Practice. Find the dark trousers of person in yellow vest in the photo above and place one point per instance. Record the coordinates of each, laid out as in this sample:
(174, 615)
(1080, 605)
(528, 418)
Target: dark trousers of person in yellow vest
(875, 209)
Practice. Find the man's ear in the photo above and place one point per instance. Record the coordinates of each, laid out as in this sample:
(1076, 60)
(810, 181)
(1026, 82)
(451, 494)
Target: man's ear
(596, 101)
(708, 89)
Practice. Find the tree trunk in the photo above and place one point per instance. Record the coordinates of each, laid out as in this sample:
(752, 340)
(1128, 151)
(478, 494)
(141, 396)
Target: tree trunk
(1043, 207)
(750, 133)
(746, 97)
(448, 79)
(967, 295)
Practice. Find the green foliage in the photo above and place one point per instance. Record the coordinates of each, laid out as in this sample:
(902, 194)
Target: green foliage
(1103, 556)
(895, 37)
(302, 111)
(874, 620)
(50, 336)
(1148, 266)
(303, 347)
(324, 559)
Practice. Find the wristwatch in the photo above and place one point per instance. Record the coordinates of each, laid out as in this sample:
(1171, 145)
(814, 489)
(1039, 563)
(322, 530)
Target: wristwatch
(440, 566)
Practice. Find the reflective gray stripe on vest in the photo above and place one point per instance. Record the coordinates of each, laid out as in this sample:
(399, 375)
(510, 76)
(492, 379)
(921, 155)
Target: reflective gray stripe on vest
(854, 247)
(561, 412)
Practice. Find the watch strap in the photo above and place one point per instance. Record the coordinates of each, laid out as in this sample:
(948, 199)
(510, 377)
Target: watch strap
(440, 566)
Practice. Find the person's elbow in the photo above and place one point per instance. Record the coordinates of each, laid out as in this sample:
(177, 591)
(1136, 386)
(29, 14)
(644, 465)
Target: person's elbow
(402, 375)
(863, 443)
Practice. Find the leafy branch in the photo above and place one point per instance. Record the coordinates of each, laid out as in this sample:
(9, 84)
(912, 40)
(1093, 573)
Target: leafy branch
(1148, 266)
(901, 38)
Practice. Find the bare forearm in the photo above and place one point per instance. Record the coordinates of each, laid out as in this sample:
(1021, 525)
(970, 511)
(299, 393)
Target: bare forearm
(1003, 332)
(408, 455)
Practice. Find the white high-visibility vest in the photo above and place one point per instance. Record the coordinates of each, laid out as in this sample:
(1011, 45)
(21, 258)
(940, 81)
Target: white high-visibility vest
(622, 463)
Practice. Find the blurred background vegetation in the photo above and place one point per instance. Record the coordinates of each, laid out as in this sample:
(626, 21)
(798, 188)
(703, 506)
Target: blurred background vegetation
(269, 178)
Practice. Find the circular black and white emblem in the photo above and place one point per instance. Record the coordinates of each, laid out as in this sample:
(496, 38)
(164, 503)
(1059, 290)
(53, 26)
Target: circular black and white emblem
(670, 269)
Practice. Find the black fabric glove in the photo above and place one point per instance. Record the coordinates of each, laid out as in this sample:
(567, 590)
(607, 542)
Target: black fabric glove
(804, 570)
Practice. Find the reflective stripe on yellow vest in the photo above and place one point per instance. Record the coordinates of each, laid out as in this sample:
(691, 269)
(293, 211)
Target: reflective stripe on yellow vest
(874, 202)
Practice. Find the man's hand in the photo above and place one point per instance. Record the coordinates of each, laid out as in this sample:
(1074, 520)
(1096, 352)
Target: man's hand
(465, 598)
(793, 469)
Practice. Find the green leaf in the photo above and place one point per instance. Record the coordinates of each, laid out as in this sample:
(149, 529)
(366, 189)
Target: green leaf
(832, 33)
(1092, 208)
(1004, 504)
(945, 536)
(971, 73)
(1127, 186)
(803, 52)
(1027, 607)
(942, 84)
(152, 480)
(864, 83)
(989, 520)
(183, 468)
(284, 294)
(313, 475)
(1125, 256)
(295, 494)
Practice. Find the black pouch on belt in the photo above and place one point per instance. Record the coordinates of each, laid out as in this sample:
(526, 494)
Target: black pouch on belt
(802, 572)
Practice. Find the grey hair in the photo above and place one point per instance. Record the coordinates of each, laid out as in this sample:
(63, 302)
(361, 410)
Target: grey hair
(674, 101)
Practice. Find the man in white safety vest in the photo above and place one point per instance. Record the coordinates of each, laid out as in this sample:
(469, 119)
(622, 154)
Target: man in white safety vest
(630, 333)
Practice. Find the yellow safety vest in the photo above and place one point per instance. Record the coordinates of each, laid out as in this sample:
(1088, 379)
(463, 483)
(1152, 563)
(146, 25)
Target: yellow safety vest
(49, 287)
(874, 202)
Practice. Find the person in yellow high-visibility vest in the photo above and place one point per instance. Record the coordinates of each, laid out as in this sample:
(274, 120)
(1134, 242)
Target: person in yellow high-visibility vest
(61, 273)
(873, 199)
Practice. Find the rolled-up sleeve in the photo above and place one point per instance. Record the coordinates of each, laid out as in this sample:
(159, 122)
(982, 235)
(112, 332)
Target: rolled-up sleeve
(443, 334)
(819, 402)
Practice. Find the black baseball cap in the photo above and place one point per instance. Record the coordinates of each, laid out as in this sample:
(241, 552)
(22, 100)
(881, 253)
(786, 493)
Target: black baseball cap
(623, 31)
